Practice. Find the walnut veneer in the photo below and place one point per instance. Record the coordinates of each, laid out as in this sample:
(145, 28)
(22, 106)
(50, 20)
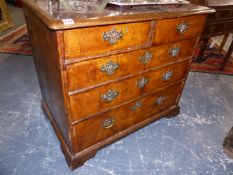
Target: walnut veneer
(104, 75)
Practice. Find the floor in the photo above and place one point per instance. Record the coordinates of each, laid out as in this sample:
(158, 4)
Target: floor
(189, 144)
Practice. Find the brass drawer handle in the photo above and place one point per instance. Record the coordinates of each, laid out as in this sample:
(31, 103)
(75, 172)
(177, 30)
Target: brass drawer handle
(182, 28)
(109, 96)
(142, 82)
(137, 105)
(112, 36)
(108, 123)
(109, 68)
(174, 52)
(160, 100)
(146, 58)
(167, 75)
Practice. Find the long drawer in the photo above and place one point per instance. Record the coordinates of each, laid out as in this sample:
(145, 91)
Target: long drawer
(105, 125)
(220, 14)
(218, 27)
(98, 40)
(89, 102)
(168, 30)
(95, 71)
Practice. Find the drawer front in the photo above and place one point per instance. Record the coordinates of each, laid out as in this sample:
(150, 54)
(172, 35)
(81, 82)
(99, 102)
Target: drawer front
(220, 14)
(92, 72)
(230, 26)
(214, 28)
(177, 29)
(108, 96)
(105, 125)
(99, 40)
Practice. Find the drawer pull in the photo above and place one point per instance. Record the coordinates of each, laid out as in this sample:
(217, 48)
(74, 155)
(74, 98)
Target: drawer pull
(167, 75)
(112, 36)
(146, 58)
(173, 52)
(137, 105)
(142, 82)
(109, 68)
(108, 123)
(182, 28)
(160, 100)
(109, 96)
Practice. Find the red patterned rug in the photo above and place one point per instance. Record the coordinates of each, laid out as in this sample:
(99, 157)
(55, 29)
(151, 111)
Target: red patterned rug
(212, 63)
(17, 42)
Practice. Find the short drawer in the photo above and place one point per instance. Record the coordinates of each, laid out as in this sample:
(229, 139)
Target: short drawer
(177, 29)
(113, 94)
(105, 125)
(95, 71)
(104, 39)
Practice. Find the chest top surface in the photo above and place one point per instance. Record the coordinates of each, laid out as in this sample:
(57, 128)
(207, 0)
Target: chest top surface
(53, 14)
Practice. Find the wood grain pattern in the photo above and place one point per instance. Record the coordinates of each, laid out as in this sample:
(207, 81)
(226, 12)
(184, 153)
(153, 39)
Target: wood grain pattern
(89, 73)
(166, 29)
(127, 90)
(89, 41)
(79, 158)
(48, 66)
(68, 59)
(125, 117)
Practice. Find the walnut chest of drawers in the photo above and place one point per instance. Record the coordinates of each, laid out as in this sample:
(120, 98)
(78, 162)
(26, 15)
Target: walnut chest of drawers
(106, 74)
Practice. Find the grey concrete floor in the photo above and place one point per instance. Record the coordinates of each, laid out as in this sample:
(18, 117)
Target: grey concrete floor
(190, 144)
